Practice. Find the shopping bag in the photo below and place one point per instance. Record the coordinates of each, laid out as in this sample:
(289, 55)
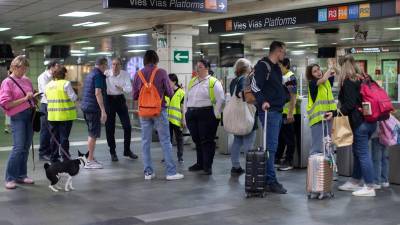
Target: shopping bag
(342, 135)
(389, 131)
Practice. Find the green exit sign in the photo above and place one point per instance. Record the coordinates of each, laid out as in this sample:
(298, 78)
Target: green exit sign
(181, 56)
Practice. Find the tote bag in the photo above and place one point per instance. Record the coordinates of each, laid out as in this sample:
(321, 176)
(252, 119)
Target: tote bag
(342, 135)
(238, 116)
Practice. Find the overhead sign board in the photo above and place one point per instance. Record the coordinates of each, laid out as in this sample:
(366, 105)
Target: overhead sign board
(212, 6)
(181, 56)
(325, 14)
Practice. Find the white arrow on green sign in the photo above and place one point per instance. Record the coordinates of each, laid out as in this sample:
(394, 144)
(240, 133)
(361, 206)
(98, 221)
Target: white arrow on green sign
(181, 56)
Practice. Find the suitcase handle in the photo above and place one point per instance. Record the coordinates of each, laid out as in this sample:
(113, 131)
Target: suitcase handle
(264, 146)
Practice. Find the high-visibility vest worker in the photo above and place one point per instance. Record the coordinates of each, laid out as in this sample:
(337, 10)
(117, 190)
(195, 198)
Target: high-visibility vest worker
(323, 103)
(174, 109)
(59, 105)
(296, 109)
(211, 84)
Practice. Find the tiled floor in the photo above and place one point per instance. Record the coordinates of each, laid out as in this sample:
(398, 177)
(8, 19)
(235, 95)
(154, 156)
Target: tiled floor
(118, 195)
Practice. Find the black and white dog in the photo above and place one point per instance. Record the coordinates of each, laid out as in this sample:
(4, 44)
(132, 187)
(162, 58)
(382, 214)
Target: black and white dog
(67, 168)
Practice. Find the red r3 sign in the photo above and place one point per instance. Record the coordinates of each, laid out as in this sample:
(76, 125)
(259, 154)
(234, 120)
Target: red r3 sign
(332, 14)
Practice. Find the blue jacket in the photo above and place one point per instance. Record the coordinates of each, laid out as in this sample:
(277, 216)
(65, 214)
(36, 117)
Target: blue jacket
(89, 102)
(267, 85)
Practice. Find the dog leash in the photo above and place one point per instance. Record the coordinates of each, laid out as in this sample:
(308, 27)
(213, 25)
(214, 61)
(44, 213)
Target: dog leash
(58, 143)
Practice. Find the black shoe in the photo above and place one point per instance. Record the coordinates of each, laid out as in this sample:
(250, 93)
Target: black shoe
(195, 167)
(206, 172)
(276, 188)
(237, 171)
(162, 160)
(114, 158)
(180, 160)
(44, 158)
(129, 155)
(286, 166)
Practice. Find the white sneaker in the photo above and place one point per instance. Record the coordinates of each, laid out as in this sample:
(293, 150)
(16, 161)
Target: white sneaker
(376, 186)
(349, 186)
(385, 184)
(93, 165)
(365, 192)
(177, 176)
(149, 176)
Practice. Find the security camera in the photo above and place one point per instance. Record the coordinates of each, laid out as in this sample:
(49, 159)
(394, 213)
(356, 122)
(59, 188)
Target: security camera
(359, 33)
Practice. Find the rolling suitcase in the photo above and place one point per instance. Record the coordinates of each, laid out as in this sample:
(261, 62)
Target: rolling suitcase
(320, 170)
(256, 160)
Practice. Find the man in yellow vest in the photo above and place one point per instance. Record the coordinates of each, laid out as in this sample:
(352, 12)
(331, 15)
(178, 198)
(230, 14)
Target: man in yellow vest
(287, 133)
(175, 114)
(61, 113)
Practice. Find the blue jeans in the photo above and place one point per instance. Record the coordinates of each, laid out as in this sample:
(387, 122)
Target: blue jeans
(316, 136)
(162, 125)
(362, 168)
(244, 142)
(22, 132)
(273, 127)
(380, 159)
(44, 149)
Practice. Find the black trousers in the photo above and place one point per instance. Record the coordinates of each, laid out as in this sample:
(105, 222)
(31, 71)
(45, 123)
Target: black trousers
(117, 105)
(289, 139)
(178, 137)
(203, 125)
(61, 131)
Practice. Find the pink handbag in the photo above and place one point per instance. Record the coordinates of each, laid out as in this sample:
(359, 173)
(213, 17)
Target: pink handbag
(389, 131)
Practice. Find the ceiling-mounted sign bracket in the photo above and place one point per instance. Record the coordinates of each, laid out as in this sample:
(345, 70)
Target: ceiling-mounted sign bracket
(209, 6)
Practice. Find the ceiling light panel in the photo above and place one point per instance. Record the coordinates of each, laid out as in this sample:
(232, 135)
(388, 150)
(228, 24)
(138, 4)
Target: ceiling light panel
(79, 14)
(133, 35)
(96, 24)
(4, 28)
(22, 37)
(206, 43)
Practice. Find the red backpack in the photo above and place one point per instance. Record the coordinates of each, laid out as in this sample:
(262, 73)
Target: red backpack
(375, 101)
(149, 98)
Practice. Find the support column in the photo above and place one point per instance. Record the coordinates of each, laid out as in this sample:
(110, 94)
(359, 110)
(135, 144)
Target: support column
(174, 48)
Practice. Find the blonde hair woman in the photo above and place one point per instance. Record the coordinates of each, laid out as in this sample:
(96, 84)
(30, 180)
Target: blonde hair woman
(351, 105)
(242, 69)
(17, 99)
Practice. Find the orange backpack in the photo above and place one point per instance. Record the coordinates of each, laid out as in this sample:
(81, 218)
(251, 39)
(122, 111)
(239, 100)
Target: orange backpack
(149, 98)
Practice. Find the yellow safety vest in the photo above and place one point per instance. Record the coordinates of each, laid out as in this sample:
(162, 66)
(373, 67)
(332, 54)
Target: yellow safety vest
(59, 105)
(174, 107)
(211, 84)
(296, 109)
(323, 103)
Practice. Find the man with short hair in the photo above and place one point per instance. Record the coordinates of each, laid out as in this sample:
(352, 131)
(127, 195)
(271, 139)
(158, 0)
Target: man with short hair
(288, 132)
(93, 107)
(271, 97)
(45, 137)
(118, 83)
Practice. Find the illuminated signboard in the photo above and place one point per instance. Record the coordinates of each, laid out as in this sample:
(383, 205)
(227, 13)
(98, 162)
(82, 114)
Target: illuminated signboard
(325, 14)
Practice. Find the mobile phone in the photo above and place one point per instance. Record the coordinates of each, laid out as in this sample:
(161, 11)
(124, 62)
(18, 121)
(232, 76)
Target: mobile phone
(366, 106)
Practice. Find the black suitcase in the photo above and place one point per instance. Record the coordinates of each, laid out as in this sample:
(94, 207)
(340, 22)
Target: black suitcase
(256, 160)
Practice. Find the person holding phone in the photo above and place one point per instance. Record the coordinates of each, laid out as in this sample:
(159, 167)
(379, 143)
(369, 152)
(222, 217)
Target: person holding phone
(321, 104)
(17, 100)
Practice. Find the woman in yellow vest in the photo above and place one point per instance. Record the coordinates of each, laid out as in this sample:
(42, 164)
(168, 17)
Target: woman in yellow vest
(61, 113)
(321, 104)
(175, 113)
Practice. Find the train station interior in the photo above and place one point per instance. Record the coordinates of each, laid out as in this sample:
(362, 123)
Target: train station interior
(182, 32)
